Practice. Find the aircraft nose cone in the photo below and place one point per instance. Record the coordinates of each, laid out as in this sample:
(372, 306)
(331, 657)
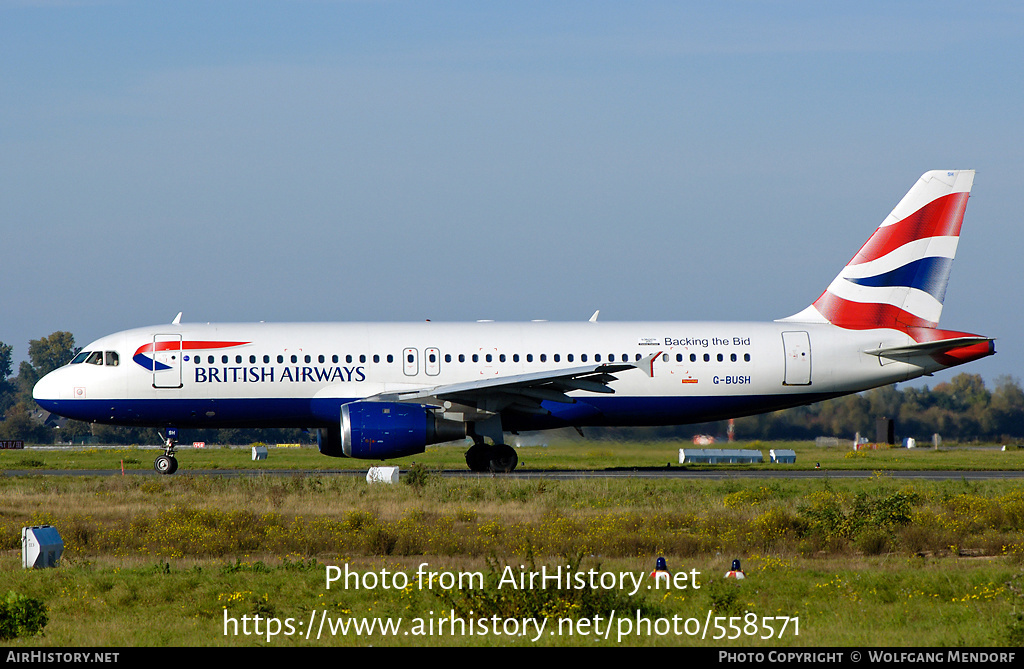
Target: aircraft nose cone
(46, 391)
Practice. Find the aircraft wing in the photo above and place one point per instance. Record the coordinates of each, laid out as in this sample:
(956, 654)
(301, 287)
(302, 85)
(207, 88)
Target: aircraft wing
(522, 392)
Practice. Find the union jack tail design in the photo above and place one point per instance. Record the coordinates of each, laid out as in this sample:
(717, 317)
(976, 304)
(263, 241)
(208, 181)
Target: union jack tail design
(898, 278)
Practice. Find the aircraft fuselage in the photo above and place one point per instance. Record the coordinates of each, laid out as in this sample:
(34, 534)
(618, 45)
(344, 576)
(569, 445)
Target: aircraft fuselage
(299, 375)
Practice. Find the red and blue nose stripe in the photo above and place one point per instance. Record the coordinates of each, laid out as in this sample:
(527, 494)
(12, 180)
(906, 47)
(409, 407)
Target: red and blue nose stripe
(150, 364)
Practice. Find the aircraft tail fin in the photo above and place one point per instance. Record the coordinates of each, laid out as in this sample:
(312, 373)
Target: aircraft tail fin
(898, 278)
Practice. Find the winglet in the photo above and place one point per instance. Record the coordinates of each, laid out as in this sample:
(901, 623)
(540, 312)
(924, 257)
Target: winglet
(593, 319)
(646, 365)
(177, 319)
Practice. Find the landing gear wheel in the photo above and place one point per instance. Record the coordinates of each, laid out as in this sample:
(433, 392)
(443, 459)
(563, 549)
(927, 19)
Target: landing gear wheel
(503, 459)
(497, 458)
(165, 464)
(476, 458)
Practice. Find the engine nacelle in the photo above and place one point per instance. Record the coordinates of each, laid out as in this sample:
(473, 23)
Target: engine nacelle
(379, 430)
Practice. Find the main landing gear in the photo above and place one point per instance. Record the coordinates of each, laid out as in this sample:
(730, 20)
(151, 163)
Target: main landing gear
(167, 464)
(491, 457)
(494, 457)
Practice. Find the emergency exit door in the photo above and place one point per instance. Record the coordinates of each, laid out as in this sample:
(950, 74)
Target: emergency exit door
(410, 362)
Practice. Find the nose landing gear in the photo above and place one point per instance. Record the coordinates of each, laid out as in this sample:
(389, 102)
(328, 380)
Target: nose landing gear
(167, 464)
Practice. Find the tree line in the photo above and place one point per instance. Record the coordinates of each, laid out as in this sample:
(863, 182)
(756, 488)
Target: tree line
(961, 409)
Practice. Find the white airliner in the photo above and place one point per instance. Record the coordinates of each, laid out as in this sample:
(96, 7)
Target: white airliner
(379, 391)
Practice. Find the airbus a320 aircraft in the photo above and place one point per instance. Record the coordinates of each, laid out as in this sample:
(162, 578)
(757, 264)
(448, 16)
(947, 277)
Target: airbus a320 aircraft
(379, 391)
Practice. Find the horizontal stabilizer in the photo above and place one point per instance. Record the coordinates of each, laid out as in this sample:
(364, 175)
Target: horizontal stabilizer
(927, 347)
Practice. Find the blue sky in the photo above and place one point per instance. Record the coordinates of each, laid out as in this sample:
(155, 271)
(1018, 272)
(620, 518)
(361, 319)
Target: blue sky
(461, 160)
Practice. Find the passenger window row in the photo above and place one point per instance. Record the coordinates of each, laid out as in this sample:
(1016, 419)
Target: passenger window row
(335, 359)
(111, 359)
(462, 357)
(707, 357)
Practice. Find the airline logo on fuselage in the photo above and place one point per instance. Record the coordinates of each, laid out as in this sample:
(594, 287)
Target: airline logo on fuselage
(149, 363)
(253, 374)
(146, 356)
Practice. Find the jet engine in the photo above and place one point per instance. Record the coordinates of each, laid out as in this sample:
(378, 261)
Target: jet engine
(380, 430)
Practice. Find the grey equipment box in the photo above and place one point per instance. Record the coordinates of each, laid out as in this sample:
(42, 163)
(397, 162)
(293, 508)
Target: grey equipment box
(41, 546)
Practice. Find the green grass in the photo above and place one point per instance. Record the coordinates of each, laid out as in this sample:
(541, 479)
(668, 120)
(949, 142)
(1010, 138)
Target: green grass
(558, 454)
(885, 601)
(156, 561)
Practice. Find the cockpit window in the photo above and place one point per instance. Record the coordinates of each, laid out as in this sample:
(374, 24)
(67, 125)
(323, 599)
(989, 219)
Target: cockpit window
(109, 358)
